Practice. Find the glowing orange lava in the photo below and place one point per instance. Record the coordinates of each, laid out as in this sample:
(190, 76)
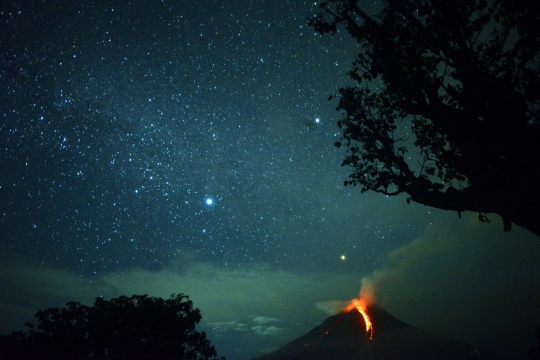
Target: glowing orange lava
(361, 305)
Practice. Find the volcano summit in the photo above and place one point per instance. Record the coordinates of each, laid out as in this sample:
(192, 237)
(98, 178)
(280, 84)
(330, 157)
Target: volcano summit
(345, 337)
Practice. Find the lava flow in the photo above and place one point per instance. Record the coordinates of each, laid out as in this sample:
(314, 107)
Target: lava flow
(361, 305)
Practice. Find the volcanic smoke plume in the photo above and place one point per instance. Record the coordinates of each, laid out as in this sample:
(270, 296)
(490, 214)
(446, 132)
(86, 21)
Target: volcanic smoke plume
(365, 298)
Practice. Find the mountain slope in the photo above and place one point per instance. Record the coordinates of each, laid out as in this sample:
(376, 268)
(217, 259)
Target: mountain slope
(344, 337)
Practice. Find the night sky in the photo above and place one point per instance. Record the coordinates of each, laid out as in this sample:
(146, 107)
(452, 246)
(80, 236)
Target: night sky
(167, 147)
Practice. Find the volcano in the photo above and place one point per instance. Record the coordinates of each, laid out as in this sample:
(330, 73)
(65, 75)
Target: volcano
(344, 337)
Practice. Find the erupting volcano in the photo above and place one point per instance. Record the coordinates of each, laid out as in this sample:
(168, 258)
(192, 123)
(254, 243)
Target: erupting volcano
(350, 335)
(361, 305)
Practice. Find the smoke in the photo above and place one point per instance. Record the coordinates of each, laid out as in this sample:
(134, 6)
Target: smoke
(459, 278)
(367, 290)
(366, 297)
(331, 307)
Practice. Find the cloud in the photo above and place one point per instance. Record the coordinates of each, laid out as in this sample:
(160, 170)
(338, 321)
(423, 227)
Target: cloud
(227, 326)
(331, 307)
(266, 330)
(262, 328)
(27, 288)
(265, 320)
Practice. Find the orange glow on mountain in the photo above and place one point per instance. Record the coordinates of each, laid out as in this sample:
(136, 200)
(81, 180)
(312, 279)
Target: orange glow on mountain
(369, 325)
(361, 305)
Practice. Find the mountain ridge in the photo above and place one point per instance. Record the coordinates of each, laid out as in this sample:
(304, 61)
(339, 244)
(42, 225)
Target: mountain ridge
(344, 337)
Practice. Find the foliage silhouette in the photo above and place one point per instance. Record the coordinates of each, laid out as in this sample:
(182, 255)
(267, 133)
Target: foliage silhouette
(446, 106)
(136, 327)
(534, 352)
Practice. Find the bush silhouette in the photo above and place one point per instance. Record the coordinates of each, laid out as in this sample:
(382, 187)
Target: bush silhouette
(136, 327)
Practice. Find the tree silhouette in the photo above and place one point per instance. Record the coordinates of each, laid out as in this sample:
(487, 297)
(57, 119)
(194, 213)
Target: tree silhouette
(136, 327)
(446, 103)
(534, 352)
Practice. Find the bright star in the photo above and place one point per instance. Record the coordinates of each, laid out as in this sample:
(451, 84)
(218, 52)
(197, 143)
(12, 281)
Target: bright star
(343, 257)
(209, 201)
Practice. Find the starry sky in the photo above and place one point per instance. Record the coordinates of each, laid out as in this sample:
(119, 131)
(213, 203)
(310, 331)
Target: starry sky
(161, 147)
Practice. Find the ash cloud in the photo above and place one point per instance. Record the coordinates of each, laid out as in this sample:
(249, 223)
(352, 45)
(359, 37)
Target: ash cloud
(465, 280)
